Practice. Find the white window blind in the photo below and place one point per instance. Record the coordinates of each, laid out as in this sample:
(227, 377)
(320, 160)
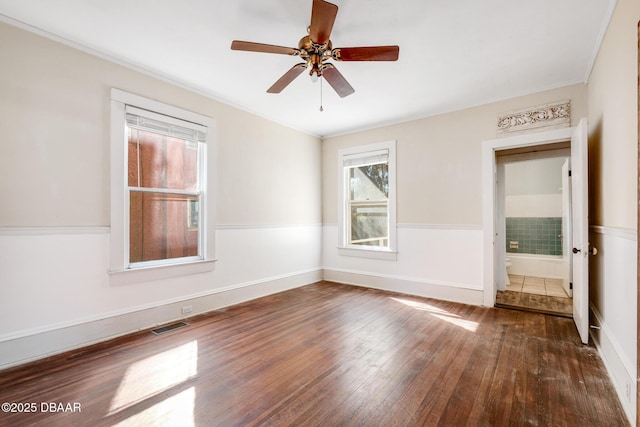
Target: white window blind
(138, 118)
(364, 159)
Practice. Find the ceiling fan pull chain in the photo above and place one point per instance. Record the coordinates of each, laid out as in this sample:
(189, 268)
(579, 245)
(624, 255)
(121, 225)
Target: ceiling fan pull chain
(321, 109)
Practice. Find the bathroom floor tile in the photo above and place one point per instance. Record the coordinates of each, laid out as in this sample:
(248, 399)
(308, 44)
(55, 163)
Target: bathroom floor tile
(516, 279)
(534, 281)
(553, 282)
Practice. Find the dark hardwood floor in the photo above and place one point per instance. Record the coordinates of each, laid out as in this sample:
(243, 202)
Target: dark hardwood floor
(328, 355)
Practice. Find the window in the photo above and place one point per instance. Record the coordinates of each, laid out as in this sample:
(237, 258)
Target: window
(164, 187)
(367, 190)
(160, 204)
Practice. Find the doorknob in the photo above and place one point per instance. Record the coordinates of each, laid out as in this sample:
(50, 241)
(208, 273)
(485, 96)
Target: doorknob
(592, 250)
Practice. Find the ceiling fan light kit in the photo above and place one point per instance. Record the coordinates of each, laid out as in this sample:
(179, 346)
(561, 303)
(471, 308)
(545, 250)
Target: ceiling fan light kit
(316, 50)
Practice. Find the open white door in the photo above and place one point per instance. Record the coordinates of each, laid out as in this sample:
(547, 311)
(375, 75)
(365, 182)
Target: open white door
(567, 242)
(580, 234)
(500, 244)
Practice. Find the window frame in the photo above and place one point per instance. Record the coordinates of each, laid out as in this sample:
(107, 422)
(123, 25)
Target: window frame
(119, 251)
(344, 202)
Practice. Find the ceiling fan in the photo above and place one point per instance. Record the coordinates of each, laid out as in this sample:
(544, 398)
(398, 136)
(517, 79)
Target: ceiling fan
(316, 49)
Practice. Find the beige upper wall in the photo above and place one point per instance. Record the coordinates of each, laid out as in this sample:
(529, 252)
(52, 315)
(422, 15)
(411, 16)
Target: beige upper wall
(439, 170)
(54, 152)
(613, 122)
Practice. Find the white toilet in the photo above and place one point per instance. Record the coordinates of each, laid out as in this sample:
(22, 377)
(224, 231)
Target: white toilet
(507, 264)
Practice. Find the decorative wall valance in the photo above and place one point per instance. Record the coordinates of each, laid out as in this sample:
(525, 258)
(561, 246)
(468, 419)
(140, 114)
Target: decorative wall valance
(545, 117)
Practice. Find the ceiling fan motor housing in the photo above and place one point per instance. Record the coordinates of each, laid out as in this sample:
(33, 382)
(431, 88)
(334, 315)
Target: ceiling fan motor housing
(314, 54)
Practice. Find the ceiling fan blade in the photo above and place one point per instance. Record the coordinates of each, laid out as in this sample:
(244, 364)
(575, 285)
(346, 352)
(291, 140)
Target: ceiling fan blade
(287, 78)
(261, 47)
(323, 15)
(368, 53)
(337, 81)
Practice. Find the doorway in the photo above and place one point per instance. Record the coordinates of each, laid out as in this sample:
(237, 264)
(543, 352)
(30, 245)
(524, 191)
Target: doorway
(533, 229)
(494, 260)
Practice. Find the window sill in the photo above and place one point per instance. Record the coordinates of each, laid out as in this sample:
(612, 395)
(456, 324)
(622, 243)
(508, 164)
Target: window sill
(382, 254)
(148, 274)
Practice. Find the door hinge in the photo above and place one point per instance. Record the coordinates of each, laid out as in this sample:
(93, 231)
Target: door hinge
(570, 285)
(569, 172)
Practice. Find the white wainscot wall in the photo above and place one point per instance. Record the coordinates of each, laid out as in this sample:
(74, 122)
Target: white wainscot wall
(436, 261)
(614, 269)
(56, 293)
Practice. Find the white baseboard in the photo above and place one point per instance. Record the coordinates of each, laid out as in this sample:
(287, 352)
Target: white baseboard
(620, 372)
(440, 291)
(436, 261)
(39, 345)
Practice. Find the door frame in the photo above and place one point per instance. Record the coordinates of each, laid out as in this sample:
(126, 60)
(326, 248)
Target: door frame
(638, 252)
(489, 198)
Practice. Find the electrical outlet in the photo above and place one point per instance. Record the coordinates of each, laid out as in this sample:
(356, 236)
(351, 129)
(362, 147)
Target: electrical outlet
(187, 309)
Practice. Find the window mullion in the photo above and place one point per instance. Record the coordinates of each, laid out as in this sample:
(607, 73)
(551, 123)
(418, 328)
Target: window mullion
(165, 191)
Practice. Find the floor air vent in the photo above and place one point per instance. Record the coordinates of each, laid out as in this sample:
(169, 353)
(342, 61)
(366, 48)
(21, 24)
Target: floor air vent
(171, 327)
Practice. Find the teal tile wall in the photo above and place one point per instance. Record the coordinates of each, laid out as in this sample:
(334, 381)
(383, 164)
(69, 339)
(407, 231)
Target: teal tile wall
(535, 235)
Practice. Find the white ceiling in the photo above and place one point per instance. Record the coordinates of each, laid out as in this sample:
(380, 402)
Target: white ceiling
(453, 54)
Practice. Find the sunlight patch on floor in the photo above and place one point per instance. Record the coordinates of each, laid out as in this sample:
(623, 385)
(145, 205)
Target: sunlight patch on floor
(439, 313)
(469, 325)
(153, 375)
(420, 306)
